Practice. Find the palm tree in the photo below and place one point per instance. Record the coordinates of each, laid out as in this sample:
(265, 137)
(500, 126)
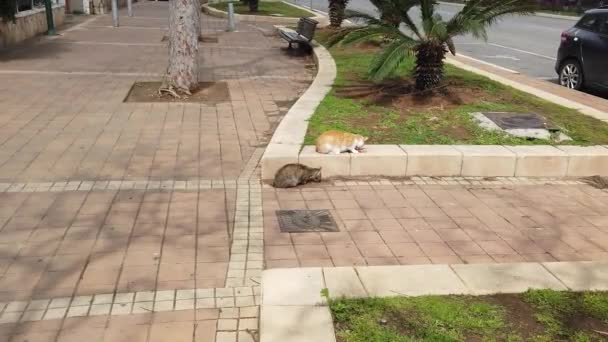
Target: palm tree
(336, 12)
(431, 40)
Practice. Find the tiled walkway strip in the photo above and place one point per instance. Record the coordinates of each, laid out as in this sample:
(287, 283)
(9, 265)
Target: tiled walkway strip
(129, 303)
(87, 185)
(293, 305)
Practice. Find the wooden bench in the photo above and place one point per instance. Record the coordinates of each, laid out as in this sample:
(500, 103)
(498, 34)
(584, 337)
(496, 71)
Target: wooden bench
(303, 34)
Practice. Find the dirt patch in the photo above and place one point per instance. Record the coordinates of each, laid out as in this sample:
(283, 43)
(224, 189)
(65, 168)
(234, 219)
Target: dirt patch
(401, 95)
(207, 92)
(518, 313)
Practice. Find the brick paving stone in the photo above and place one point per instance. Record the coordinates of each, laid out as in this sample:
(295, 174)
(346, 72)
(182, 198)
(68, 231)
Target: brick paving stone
(446, 223)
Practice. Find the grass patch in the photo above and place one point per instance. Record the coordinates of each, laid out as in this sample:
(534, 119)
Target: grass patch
(267, 8)
(538, 315)
(395, 116)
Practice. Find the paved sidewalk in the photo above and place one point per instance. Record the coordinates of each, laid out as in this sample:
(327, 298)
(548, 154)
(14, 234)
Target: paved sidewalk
(135, 221)
(440, 222)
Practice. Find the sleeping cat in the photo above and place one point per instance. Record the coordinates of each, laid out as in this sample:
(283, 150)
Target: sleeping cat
(292, 175)
(336, 142)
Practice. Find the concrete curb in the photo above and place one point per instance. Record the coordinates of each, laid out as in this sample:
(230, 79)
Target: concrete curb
(287, 311)
(259, 18)
(287, 140)
(537, 14)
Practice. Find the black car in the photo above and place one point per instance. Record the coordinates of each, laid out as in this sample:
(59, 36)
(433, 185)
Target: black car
(582, 58)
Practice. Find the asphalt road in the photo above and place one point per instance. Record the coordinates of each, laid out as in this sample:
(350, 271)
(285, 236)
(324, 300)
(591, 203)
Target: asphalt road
(527, 44)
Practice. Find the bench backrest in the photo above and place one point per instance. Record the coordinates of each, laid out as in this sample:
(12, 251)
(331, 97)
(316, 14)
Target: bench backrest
(307, 27)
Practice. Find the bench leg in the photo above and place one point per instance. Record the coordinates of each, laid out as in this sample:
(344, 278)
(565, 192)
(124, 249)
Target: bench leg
(290, 47)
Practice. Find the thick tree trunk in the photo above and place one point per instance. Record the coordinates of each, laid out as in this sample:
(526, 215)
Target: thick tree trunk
(184, 32)
(336, 12)
(429, 65)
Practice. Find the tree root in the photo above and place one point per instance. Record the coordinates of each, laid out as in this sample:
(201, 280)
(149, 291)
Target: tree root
(168, 90)
(173, 91)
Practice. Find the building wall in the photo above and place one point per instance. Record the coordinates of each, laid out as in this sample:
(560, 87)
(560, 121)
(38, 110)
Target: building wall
(28, 24)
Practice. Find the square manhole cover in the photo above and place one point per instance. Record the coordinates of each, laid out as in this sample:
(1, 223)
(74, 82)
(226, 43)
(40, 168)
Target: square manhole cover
(303, 221)
(507, 120)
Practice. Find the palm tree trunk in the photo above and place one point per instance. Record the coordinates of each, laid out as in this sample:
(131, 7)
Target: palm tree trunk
(429, 65)
(336, 12)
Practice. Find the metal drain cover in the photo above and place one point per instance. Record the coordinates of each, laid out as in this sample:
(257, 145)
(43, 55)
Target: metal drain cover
(506, 120)
(303, 221)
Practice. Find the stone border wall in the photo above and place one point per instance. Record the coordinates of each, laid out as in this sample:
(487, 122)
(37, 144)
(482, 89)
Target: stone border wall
(28, 24)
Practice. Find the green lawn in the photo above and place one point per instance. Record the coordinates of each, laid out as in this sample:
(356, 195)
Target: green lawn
(406, 120)
(270, 8)
(538, 315)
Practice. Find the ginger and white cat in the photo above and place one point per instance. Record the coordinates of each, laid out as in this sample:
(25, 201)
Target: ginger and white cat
(337, 142)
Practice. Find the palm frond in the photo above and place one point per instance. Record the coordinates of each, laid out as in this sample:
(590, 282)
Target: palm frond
(391, 58)
(363, 17)
(478, 14)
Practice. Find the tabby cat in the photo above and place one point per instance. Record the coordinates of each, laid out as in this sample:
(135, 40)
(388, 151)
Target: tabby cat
(337, 142)
(292, 175)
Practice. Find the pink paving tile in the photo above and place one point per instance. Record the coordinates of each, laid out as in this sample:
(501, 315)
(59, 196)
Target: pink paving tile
(315, 195)
(347, 262)
(306, 238)
(482, 234)
(366, 237)
(288, 263)
(316, 263)
(343, 251)
(477, 259)
(466, 248)
(436, 249)
(277, 239)
(542, 257)
(441, 222)
(446, 259)
(404, 213)
(525, 246)
(371, 261)
(414, 224)
(314, 252)
(453, 234)
(386, 224)
(279, 252)
(336, 238)
(345, 204)
(319, 204)
(425, 235)
(351, 214)
(358, 225)
(406, 249)
(507, 258)
(421, 260)
(378, 213)
(395, 236)
(496, 247)
(374, 250)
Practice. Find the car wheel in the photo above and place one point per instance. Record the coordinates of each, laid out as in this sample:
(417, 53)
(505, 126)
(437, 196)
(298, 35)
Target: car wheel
(571, 74)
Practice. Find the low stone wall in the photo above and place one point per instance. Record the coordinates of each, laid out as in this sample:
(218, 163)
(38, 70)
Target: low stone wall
(28, 24)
